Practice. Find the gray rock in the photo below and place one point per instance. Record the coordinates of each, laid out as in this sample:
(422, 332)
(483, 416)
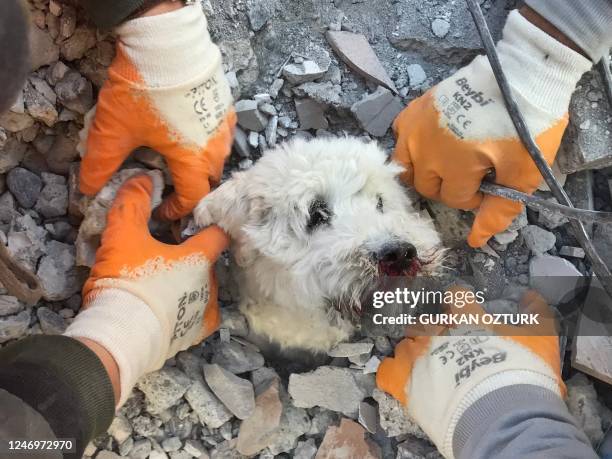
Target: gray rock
(277, 85)
(551, 220)
(75, 92)
(241, 144)
(210, 410)
(572, 252)
(104, 454)
(303, 72)
(145, 426)
(13, 327)
(416, 75)
(9, 305)
(583, 404)
(555, 278)
(236, 393)
(237, 358)
(120, 429)
(321, 420)
(325, 93)
(12, 154)
(43, 50)
(305, 449)
(38, 106)
(489, 275)
(350, 349)
(24, 185)
(260, 12)
(126, 447)
(141, 449)
(163, 389)
(416, 448)
(172, 444)
(195, 448)
(26, 240)
(57, 272)
(311, 114)
(329, 387)
(506, 237)
(538, 240)
(53, 199)
(249, 116)
(78, 44)
(376, 111)
(271, 130)
(394, 420)
(50, 322)
(440, 27)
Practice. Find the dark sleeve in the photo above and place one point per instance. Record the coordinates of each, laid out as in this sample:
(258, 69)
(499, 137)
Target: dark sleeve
(63, 381)
(110, 13)
(521, 421)
(14, 55)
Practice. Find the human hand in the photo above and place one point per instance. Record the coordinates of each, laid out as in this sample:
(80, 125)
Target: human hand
(459, 131)
(166, 90)
(144, 300)
(438, 374)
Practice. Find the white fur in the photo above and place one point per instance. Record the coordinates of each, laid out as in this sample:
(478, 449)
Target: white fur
(288, 275)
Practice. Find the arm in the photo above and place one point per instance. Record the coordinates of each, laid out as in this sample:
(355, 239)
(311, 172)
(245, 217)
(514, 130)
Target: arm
(111, 13)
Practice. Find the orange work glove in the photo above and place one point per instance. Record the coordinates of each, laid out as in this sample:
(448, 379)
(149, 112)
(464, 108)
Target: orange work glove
(440, 372)
(166, 90)
(459, 131)
(145, 300)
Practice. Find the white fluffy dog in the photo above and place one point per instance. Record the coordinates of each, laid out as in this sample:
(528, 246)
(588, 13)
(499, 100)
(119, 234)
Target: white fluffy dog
(314, 224)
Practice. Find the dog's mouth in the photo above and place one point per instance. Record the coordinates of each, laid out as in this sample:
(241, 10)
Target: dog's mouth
(411, 268)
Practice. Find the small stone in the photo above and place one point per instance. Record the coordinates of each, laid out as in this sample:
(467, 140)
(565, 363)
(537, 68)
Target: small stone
(311, 114)
(416, 75)
(355, 50)
(24, 185)
(57, 272)
(303, 72)
(583, 404)
(249, 116)
(376, 111)
(14, 327)
(195, 448)
(235, 393)
(43, 88)
(163, 389)
(78, 44)
(255, 431)
(155, 454)
(205, 404)
(260, 12)
(538, 240)
(43, 50)
(371, 365)
(350, 349)
(26, 240)
(237, 358)
(276, 87)
(572, 252)
(556, 279)
(141, 449)
(348, 440)
(126, 447)
(416, 448)
(440, 27)
(90, 449)
(234, 321)
(551, 220)
(38, 106)
(325, 93)
(368, 417)
(271, 129)
(329, 387)
(393, 417)
(232, 81)
(145, 426)
(253, 139)
(305, 449)
(172, 444)
(506, 237)
(120, 429)
(75, 92)
(9, 305)
(241, 143)
(488, 274)
(50, 322)
(53, 199)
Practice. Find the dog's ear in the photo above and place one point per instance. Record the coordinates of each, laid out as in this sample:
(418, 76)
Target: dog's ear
(226, 206)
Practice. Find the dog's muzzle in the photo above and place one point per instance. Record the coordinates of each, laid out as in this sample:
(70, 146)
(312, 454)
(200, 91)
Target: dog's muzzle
(397, 259)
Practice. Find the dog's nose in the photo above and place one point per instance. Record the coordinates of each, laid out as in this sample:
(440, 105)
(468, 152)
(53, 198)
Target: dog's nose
(399, 255)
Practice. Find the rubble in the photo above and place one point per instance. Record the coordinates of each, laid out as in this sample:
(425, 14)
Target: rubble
(347, 440)
(53, 199)
(329, 387)
(9, 305)
(416, 75)
(311, 67)
(585, 407)
(350, 349)
(235, 393)
(209, 409)
(57, 271)
(237, 358)
(394, 420)
(24, 185)
(260, 12)
(553, 277)
(571, 252)
(163, 389)
(249, 116)
(376, 111)
(13, 327)
(120, 429)
(537, 239)
(311, 114)
(50, 322)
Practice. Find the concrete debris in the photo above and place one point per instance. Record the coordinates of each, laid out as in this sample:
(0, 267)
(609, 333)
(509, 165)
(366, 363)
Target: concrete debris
(57, 271)
(271, 131)
(43, 50)
(75, 92)
(357, 53)
(417, 448)
(368, 417)
(235, 393)
(506, 237)
(24, 185)
(120, 429)
(325, 93)
(260, 12)
(585, 407)
(241, 143)
(556, 279)
(237, 358)
(9, 305)
(311, 114)
(571, 252)
(53, 199)
(14, 327)
(256, 430)
(376, 111)
(276, 87)
(416, 75)
(249, 116)
(305, 449)
(26, 240)
(488, 274)
(371, 366)
(194, 448)
(393, 418)
(311, 65)
(537, 239)
(348, 440)
(551, 220)
(350, 349)
(329, 387)
(50, 322)
(163, 388)
(209, 409)
(440, 27)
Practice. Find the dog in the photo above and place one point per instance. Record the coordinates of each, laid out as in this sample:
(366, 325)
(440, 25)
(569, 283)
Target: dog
(314, 225)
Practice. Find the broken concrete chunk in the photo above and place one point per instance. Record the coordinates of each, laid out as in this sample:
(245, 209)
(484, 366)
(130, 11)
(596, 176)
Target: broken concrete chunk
(235, 393)
(416, 75)
(376, 111)
(38, 106)
(572, 252)
(329, 387)
(209, 409)
(305, 449)
(75, 92)
(249, 116)
(9, 305)
(311, 114)
(163, 389)
(255, 431)
(394, 419)
(489, 274)
(537, 239)
(50, 322)
(14, 327)
(59, 276)
(325, 93)
(53, 199)
(368, 417)
(24, 185)
(237, 358)
(260, 12)
(313, 66)
(506, 237)
(348, 440)
(350, 349)
(357, 53)
(120, 429)
(585, 407)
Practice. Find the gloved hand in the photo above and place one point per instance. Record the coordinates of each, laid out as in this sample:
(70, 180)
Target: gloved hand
(145, 300)
(439, 374)
(166, 90)
(459, 131)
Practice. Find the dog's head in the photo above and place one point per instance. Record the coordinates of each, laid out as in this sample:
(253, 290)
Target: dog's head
(319, 222)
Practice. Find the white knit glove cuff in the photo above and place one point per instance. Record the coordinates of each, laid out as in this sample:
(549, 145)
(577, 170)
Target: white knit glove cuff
(171, 48)
(127, 328)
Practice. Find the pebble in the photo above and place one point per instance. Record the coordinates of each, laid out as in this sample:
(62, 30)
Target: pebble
(50, 322)
(13, 327)
(249, 116)
(416, 75)
(9, 305)
(235, 393)
(329, 387)
(440, 27)
(195, 449)
(210, 410)
(311, 114)
(24, 185)
(53, 199)
(350, 349)
(376, 111)
(303, 72)
(506, 237)
(237, 358)
(573, 252)
(537, 239)
(163, 389)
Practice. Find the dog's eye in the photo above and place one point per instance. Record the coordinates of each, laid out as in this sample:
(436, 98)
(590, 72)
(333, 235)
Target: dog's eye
(319, 214)
(379, 204)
